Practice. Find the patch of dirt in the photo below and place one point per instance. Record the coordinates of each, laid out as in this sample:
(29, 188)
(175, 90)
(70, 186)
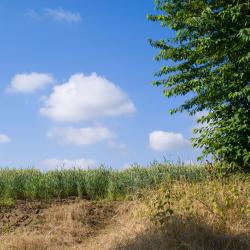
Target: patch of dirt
(26, 213)
(21, 215)
(59, 224)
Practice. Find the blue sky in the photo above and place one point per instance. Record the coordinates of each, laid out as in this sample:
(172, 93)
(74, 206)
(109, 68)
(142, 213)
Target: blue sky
(75, 86)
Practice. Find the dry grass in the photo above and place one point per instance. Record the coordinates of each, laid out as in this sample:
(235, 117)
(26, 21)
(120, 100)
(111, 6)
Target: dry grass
(61, 226)
(212, 214)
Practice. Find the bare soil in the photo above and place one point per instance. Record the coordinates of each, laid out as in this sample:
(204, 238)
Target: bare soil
(26, 213)
(62, 223)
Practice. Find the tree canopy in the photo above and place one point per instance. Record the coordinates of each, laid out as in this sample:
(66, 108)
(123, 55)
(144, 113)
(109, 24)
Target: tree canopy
(211, 60)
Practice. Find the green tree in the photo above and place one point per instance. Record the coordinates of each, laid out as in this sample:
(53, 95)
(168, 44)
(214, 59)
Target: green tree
(211, 63)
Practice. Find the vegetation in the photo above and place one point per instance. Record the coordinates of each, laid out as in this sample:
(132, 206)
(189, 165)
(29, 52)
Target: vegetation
(101, 183)
(211, 63)
(212, 214)
(169, 207)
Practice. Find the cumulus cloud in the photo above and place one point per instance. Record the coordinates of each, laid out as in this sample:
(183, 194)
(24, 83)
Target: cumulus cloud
(63, 15)
(27, 83)
(4, 138)
(85, 98)
(81, 136)
(191, 163)
(164, 141)
(120, 146)
(54, 163)
(199, 115)
(33, 14)
(126, 166)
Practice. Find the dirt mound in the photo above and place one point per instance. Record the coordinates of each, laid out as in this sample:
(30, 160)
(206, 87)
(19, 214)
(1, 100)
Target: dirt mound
(21, 215)
(25, 213)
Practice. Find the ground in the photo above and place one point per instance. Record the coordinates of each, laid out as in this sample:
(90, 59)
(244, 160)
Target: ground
(60, 224)
(212, 214)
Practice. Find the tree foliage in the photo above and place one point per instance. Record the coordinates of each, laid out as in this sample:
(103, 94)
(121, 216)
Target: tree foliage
(211, 61)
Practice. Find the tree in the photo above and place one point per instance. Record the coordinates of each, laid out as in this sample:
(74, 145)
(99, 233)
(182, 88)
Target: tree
(211, 62)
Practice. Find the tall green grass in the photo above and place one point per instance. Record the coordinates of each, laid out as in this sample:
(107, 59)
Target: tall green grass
(101, 183)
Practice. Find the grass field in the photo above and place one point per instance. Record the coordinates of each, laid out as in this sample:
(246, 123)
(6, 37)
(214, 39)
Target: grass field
(101, 183)
(163, 206)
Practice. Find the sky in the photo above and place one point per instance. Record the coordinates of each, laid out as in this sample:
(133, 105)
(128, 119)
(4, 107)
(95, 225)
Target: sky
(75, 87)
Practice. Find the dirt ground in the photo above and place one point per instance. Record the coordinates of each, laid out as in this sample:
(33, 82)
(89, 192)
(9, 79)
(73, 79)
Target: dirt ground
(60, 224)
(78, 224)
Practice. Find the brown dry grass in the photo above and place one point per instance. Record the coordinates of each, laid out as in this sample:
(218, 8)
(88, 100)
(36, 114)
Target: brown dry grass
(61, 226)
(212, 214)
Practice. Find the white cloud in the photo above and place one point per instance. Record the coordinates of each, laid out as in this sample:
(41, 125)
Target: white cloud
(27, 83)
(64, 16)
(167, 141)
(120, 146)
(85, 98)
(81, 136)
(33, 14)
(191, 163)
(126, 166)
(199, 115)
(54, 163)
(4, 138)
